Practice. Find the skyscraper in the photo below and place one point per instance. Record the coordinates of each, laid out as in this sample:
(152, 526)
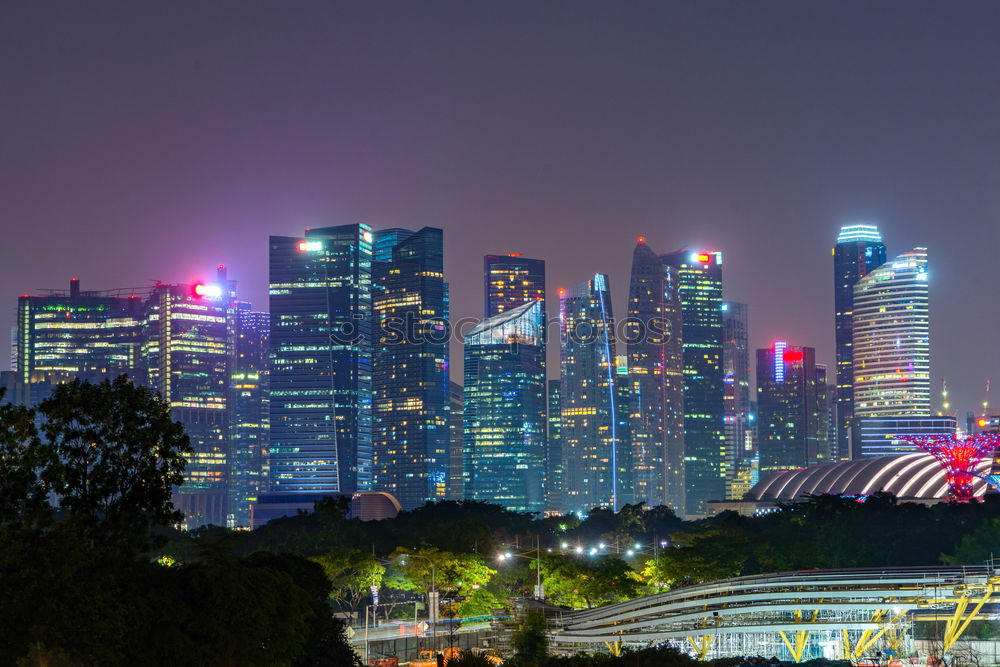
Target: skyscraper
(410, 383)
(859, 250)
(76, 334)
(321, 364)
(456, 409)
(736, 376)
(791, 408)
(656, 381)
(892, 339)
(187, 351)
(249, 412)
(553, 448)
(511, 280)
(699, 279)
(590, 399)
(504, 420)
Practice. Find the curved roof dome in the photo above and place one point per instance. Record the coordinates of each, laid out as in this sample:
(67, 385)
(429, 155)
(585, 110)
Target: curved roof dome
(917, 475)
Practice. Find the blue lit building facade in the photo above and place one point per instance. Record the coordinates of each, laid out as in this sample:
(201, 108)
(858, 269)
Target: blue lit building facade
(249, 408)
(504, 416)
(410, 382)
(792, 408)
(593, 458)
(320, 364)
(656, 380)
(736, 376)
(859, 250)
(699, 279)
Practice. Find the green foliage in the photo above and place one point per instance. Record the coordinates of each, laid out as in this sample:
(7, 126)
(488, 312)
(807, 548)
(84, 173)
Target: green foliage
(583, 580)
(977, 546)
(530, 641)
(352, 573)
(480, 603)
(417, 570)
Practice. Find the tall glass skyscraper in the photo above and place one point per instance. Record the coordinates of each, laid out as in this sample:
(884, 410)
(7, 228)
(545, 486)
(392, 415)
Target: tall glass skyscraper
(249, 412)
(321, 363)
(589, 425)
(553, 448)
(504, 420)
(791, 408)
(511, 280)
(736, 376)
(410, 305)
(656, 380)
(187, 352)
(892, 339)
(699, 279)
(859, 249)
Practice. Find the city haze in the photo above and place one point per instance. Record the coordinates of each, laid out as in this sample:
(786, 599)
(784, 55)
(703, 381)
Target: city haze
(153, 142)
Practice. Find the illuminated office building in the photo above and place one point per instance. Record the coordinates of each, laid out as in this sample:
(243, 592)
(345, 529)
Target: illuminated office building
(321, 366)
(792, 408)
(456, 408)
(892, 339)
(186, 353)
(736, 376)
(590, 398)
(553, 448)
(656, 381)
(410, 382)
(880, 435)
(859, 250)
(249, 412)
(699, 280)
(505, 406)
(62, 336)
(511, 280)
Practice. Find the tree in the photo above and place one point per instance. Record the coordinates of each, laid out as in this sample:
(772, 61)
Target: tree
(119, 456)
(25, 468)
(352, 574)
(456, 574)
(530, 642)
(577, 581)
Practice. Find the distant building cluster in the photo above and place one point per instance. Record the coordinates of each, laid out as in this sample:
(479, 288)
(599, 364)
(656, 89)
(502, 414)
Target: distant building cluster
(344, 385)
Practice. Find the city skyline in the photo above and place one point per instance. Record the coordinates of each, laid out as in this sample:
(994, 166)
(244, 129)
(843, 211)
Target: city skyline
(663, 129)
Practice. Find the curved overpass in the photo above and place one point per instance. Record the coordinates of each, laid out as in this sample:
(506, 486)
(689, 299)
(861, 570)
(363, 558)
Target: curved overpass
(796, 615)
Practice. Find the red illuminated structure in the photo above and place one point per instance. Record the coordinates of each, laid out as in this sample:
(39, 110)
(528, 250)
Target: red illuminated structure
(958, 456)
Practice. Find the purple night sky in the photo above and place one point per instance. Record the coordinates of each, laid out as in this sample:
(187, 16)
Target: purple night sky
(145, 141)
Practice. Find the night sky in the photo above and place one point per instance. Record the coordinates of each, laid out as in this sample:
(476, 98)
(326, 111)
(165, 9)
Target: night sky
(151, 141)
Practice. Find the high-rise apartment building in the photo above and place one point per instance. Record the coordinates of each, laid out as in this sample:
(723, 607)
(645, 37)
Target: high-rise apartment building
(321, 365)
(410, 383)
(699, 280)
(590, 398)
(891, 339)
(859, 250)
(736, 376)
(656, 381)
(791, 408)
(505, 408)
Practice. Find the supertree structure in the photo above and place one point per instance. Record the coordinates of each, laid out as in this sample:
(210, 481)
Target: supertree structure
(958, 456)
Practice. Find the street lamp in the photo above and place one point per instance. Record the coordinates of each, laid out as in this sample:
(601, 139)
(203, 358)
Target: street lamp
(539, 590)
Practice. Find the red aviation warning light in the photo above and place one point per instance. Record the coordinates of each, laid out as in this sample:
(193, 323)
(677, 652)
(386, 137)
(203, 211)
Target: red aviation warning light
(199, 289)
